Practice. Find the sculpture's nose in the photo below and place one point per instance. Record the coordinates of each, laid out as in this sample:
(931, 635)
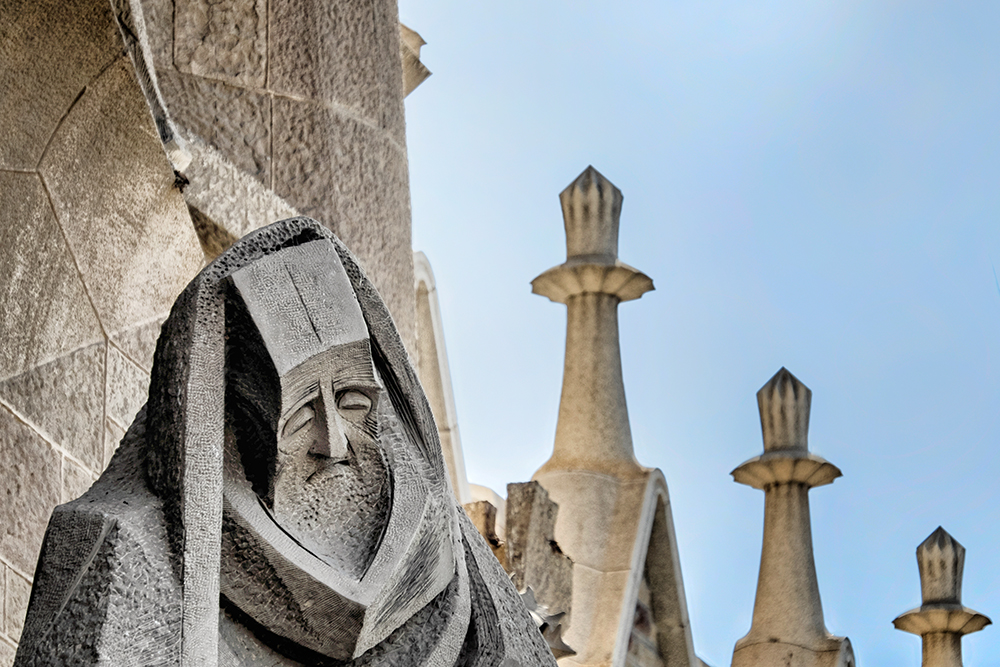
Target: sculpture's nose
(331, 441)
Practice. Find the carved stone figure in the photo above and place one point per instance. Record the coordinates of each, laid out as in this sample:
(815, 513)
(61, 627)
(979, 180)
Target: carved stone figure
(281, 499)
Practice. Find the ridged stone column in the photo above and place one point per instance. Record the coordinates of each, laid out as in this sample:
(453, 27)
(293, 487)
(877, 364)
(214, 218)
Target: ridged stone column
(593, 431)
(787, 614)
(941, 621)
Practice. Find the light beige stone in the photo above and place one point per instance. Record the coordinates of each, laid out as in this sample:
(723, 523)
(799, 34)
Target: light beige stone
(435, 376)
(50, 51)
(222, 39)
(228, 199)
(75, 480)
(327, 51)
(16, 595)
(788, 620)
(7, 653)
(614, 515)
(414, 71)
(145, 250)
(127, 388)
(113, 434)
(941, 621)
(235, 121)
(138, 342)
(46, 309)
(31, 489)
(159, 17)
(64, 399)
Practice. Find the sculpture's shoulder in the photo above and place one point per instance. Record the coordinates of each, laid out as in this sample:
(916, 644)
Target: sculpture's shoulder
(106, 587)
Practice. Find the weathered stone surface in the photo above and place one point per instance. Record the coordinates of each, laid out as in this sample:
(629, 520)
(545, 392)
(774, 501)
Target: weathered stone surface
(46, 309)
(45, 68)
(127, 388)
(159, 19)
(75, 480)
(17, 592)
(31, 490)
(113, 434)
(483, 516)
(414, 71)
(282, 400)
(348, 176)
(230, 203)
(222, 39)
(64, 399)
(533, 555)
(391, 89)
(233, 120)
(327, 51)
(138, 343)
(7, 653)
(146, 249)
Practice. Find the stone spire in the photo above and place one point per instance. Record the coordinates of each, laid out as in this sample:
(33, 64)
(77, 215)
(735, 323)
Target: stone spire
(941, 620)
(593, 431)
(788, 613)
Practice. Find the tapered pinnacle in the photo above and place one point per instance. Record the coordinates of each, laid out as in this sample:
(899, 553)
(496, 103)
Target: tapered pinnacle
(941, 560)
(784, 404)
(591, 207)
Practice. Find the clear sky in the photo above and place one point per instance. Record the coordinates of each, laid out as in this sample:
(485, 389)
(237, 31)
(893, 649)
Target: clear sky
(813, 185)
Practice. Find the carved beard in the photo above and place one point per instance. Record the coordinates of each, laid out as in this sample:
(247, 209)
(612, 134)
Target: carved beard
(336, 510)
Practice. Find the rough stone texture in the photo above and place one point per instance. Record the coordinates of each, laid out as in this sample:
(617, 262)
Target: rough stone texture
(235, 121)
(941, 621)
(127, 387)
(483, 516)
(614, 514)
(18, 590)
(224, 40)
(113, 434)
(147, 249)
(228, 199)
(32, 489)
(347, 175)
(45, 68)
(788, 612)
(327, 52)
(533, 555)
(160, 30)
(414, 71)
(7, 653)
(75, 480)
(46, 309)
(64, 400)
(139, 342)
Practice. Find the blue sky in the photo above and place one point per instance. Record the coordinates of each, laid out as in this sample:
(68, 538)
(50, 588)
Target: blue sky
(813, 185)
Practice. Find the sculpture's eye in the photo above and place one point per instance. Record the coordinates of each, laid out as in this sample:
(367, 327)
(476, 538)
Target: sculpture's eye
(297, 421)
(354, 403)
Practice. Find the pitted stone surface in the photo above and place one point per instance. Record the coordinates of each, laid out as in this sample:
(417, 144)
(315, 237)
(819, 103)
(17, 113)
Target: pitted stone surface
(18, 590)
(146, 250)
(113, 434)
(75, 480)
(235, 121)
(327, 52)
(159, 16)
(224, 40)
(45, 69)
(127, 388)
(32, 489)
(64, 399)
(138, 342)
(46, 309)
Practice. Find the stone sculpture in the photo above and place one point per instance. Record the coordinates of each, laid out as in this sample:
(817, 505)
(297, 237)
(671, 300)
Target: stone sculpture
(281, 498)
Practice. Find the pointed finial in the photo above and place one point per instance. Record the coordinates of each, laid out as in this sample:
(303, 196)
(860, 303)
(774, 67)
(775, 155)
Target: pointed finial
(941, 560)
(591, 207)
(784, 412)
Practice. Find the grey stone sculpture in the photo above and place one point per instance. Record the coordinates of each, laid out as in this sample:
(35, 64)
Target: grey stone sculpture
(281, 499)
